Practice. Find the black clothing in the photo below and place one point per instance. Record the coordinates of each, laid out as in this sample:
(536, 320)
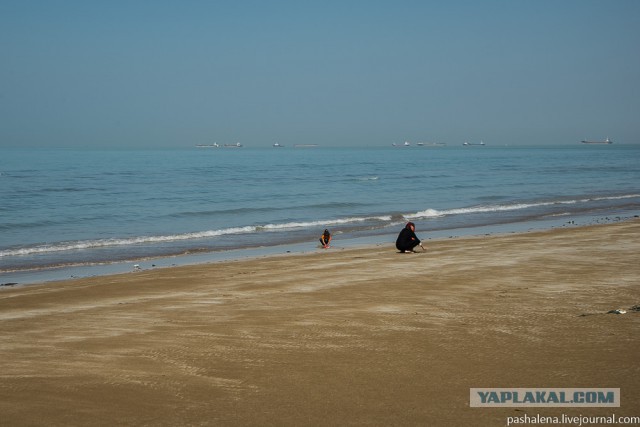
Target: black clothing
(407, 240)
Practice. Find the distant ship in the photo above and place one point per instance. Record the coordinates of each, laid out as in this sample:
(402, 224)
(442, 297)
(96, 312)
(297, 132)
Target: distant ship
(473, 143)
(305, 145)
(606, 141)
(277, 145)
(236, 145)
(431, 144)
(214, 145)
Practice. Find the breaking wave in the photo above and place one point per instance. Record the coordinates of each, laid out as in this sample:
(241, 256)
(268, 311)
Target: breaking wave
(379, 221)
(141, 240)
(434, 213)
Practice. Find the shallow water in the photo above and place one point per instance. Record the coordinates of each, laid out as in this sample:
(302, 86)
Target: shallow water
(74, 208)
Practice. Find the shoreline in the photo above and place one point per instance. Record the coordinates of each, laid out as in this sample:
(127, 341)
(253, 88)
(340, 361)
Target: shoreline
(346, 337)
(50, 274)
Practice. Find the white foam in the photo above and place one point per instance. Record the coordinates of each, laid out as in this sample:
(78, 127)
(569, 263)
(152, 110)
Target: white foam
(433, 213)
(425, 214)
(138, 240)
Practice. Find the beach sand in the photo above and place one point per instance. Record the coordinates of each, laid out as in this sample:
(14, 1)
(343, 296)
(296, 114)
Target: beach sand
(362, 336)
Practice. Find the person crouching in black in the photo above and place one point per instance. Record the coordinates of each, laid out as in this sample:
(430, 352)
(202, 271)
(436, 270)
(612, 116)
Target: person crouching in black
(407, 239)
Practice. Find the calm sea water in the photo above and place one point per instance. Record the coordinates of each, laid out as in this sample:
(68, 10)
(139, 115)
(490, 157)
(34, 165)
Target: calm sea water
(62, 207)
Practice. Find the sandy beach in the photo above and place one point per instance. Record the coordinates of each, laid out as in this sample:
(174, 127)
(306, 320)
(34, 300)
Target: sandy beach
(362, 336)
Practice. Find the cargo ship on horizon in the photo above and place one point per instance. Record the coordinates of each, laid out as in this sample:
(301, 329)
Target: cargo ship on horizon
(606, 141)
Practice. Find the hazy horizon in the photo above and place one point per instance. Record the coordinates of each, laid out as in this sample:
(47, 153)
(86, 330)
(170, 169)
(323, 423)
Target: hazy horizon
(172, 75)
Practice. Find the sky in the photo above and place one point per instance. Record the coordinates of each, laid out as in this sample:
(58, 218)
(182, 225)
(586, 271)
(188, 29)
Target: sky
(145, 74)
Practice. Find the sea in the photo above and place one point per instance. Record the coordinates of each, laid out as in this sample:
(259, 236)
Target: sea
(77, 213)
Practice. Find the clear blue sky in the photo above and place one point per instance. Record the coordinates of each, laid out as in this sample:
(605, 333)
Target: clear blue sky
(177, 73)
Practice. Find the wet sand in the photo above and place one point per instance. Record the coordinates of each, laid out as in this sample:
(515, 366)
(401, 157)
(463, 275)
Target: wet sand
(362, 336)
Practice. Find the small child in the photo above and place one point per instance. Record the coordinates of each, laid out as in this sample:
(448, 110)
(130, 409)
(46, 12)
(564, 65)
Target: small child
(325, 239)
